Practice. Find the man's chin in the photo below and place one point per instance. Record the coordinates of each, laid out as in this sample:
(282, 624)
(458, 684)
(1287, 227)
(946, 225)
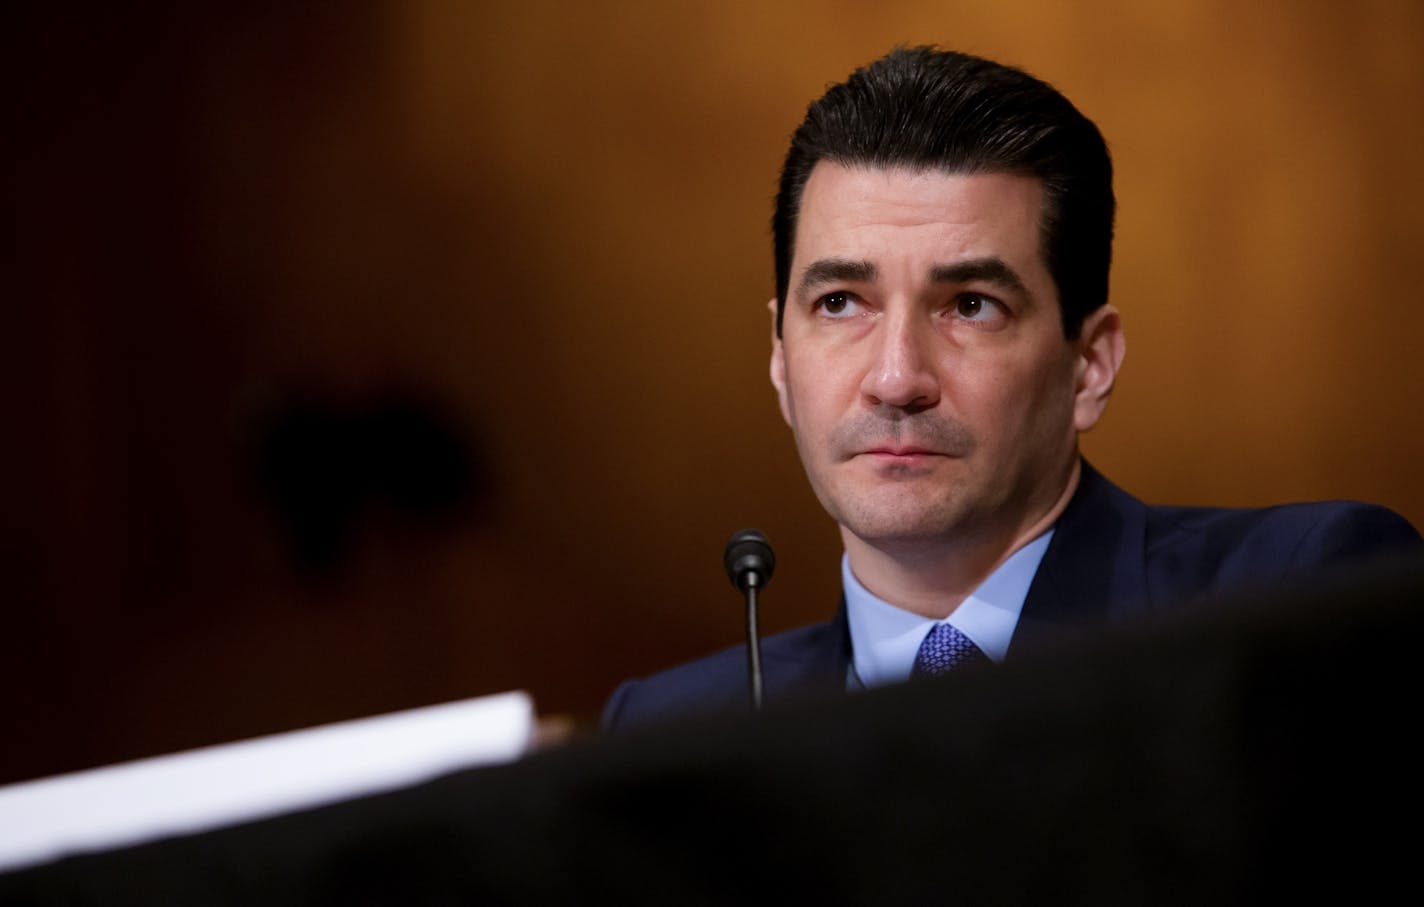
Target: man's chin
(902, 529)
(912, 513)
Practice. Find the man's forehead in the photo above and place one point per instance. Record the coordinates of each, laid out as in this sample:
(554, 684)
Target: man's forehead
(853, 212)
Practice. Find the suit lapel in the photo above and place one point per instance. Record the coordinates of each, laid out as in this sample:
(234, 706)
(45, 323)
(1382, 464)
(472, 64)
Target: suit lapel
(1094, 569)
(817, 663)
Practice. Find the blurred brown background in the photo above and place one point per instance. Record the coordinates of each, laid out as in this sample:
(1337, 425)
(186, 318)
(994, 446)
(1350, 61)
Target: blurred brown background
(373, 355)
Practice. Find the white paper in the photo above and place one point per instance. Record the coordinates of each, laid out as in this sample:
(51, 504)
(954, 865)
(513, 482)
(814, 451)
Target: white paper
(204, 789)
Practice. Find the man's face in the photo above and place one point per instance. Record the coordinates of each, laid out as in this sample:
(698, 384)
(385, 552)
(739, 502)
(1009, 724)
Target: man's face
(922, 364)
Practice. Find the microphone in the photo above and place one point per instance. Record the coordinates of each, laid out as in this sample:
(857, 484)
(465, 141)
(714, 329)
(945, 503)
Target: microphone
(749, 562)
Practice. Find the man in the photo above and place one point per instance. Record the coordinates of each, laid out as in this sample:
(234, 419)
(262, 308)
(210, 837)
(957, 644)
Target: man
(943, 233)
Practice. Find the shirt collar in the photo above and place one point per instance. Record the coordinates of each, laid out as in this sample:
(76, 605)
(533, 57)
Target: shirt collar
(884, 638)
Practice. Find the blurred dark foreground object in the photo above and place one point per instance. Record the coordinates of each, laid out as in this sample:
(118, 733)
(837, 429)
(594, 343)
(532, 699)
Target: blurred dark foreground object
(1236, 753)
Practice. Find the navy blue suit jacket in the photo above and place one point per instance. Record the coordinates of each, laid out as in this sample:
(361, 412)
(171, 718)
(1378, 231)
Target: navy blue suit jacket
(1112, 558)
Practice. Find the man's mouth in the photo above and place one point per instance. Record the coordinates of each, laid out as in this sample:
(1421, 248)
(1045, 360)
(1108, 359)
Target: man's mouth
(902, 450)
(921, 440)
(901, 454)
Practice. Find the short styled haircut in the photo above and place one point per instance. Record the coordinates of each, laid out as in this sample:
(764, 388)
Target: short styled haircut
(931, 109)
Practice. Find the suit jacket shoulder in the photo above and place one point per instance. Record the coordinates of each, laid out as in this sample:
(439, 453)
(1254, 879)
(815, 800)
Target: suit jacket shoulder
(1241, 548)
(806, 661)
(1114, 558)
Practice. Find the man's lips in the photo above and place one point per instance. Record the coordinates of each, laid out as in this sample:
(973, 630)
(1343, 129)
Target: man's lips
(891, 450)
(903, 454)
(922, 439)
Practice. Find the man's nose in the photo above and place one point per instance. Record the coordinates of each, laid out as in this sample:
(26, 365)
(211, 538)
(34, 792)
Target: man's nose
(902, 372)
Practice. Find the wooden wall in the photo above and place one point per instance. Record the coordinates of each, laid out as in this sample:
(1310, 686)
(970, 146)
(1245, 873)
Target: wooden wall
(376, 354)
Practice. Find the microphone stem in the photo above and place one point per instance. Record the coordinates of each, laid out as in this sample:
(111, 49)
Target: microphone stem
(753, 643)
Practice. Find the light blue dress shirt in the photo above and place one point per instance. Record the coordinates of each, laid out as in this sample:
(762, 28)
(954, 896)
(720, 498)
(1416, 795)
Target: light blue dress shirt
(885, 638)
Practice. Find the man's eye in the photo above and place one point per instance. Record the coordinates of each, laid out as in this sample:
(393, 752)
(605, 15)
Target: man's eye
(977, 307)
(837, 305)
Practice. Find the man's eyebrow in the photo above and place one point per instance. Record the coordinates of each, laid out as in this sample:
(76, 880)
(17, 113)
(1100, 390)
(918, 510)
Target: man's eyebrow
(835, 270)
(991, 270)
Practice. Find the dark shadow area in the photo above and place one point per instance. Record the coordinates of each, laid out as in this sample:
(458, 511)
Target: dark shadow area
(327, 469)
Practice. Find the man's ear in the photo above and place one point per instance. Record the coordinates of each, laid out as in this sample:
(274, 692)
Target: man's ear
(778, 366)
(1100, 348)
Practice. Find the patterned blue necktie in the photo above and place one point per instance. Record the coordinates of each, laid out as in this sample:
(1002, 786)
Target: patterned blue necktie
(943, 650)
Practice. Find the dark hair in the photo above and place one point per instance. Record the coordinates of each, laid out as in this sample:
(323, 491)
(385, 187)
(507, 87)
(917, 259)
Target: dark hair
(933, 109)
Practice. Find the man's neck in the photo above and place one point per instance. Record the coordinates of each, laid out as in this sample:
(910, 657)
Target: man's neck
(932, 582)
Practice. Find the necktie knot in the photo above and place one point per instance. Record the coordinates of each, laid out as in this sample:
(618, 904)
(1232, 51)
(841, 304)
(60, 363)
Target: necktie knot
(944, 649)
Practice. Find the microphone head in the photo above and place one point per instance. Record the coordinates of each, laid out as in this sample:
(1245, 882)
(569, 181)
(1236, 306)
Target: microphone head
(749, 560)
